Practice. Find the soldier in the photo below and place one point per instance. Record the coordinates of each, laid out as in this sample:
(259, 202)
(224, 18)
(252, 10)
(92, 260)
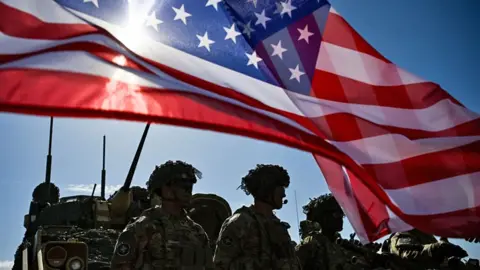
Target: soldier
(210, 211)
(254, 238)
(164, 237)
(424, 249)
(320, 247)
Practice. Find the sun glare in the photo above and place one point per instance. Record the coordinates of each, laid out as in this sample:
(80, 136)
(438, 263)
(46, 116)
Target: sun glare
(137, 28)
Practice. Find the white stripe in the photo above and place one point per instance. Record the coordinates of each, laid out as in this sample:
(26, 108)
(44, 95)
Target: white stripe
(45, 10)
(15, 45)
(390, 148)
(362, 67)
(82, 62)
(440, 116)
(396, 224)
(438, 197)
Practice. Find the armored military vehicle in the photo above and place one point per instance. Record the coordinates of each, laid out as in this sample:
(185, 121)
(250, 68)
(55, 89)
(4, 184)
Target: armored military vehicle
(77, 232)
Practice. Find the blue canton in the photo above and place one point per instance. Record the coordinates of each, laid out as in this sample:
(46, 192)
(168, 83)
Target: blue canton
(230, 33)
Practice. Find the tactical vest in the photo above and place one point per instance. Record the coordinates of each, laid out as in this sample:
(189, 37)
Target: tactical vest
(275, 244)
(176, 244)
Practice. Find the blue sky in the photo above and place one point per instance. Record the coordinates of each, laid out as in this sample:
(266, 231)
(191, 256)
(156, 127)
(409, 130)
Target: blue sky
(436, 40)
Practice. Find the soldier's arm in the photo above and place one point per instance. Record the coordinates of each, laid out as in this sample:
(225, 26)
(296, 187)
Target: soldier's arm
(230, 244)
(128, 252)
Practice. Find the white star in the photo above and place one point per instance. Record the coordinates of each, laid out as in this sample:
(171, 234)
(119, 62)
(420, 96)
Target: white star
(253, 59)
(287, 8)
(247, 29)
(95, 2)
(304, 34)
(296, 73)
(278, 50)
(262, 19)
(181, 14)
(279, 8)
(153, 21)
(253, 1)
(231, 33)
(213, 3)
(204, 41)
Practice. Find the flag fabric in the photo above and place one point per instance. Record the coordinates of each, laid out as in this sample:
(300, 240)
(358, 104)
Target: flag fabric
(397, 151)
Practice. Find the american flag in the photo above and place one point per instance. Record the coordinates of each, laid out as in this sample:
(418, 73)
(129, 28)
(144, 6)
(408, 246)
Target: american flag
(397, 151)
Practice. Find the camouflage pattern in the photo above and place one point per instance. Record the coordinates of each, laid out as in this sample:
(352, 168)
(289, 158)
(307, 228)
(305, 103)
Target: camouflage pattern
(319, 252)
(425, 250)
(249, 240)
(157, 240)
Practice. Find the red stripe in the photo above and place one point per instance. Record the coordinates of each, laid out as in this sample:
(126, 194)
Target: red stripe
(347, 127)
(14, 22)
(419, 170)
(333, 87)
(339, 32)
(81, 95)
(373, 212)
(364, 210)
(456, 224)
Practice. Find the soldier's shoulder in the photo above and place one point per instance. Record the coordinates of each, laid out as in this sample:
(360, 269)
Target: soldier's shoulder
(195, 226)
(242, 217)
(141, 223)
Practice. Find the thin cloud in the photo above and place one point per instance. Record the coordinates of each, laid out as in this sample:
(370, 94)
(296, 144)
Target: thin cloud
(87, 189)
(6, 265)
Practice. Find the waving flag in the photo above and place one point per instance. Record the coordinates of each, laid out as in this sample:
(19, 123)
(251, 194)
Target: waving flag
(396, 150)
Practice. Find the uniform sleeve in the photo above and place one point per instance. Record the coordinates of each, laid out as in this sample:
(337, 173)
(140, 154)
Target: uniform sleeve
(230, 244)
(128, 252)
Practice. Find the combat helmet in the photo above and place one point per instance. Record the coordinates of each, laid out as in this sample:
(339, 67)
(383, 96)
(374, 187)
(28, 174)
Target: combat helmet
(211, 202)
(261, 180)
(46, 193)
(324, 204)
(210, 211)
(172, 171)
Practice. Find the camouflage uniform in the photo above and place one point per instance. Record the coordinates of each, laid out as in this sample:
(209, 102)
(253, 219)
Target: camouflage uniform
(159, 240)
(423, 248)
(249, 240)
(320, 250)
(252, 240)
(210, 211)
